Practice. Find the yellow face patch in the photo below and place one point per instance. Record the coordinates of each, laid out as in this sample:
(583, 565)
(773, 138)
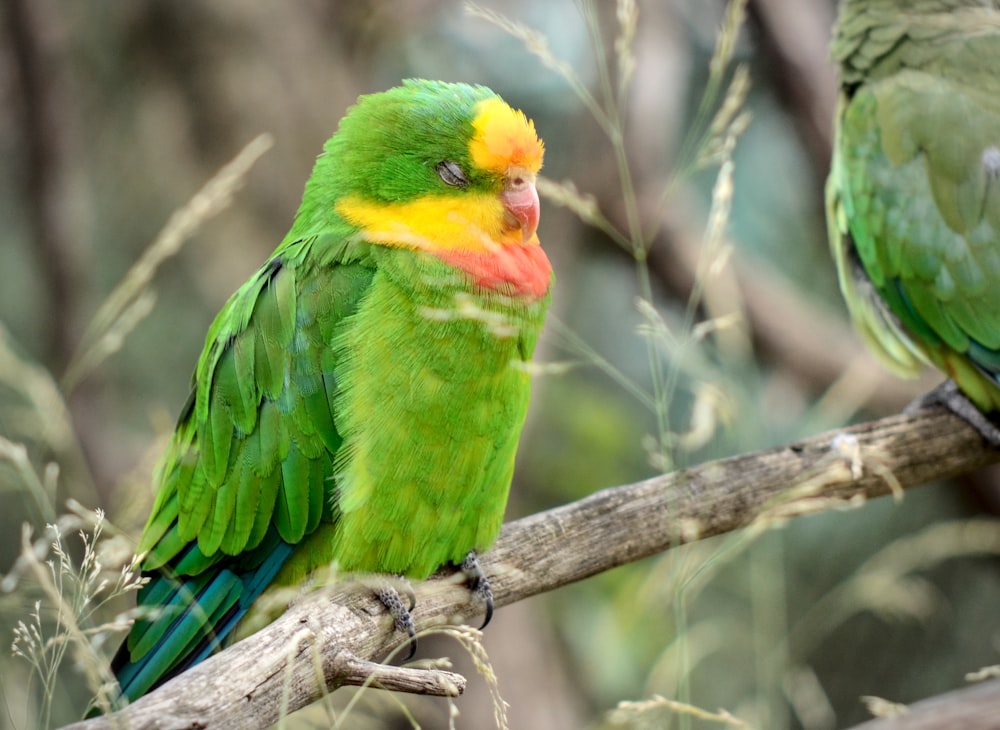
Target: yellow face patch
(504, 138)
(434, 223)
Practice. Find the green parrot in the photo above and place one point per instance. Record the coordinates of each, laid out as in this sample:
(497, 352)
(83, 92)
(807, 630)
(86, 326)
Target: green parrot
(913, 197)
(359, 400)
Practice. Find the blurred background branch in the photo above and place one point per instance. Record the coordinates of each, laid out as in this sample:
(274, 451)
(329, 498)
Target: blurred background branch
(43, 102)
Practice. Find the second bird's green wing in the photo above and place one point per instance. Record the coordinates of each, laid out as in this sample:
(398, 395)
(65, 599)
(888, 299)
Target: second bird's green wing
(916, 181)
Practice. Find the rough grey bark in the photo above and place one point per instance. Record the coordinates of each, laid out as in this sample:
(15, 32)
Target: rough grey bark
(329, 638)
(971, 708)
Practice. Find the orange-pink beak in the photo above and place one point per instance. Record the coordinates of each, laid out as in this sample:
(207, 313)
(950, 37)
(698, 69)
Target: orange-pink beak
(520, 201)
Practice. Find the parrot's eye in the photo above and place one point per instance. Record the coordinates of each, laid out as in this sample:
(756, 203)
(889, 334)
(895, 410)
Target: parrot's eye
(452, 174)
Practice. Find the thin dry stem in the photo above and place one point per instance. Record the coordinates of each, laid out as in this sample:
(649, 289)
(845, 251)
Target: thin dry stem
(130, 301)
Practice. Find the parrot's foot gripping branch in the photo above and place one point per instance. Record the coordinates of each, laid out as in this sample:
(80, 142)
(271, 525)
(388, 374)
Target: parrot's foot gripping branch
(476, 580)
(388, 594)
(948, 395)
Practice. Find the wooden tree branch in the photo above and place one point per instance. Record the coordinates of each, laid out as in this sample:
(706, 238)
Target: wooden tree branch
(970, 708)
(330, 638)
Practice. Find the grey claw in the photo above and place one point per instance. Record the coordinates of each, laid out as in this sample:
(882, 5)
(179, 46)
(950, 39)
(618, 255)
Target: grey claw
(948, 395)
(389, 597)
(477, 582)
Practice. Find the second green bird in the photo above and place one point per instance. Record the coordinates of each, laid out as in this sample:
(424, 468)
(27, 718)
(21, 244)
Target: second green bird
(914, 190)
(359, 400)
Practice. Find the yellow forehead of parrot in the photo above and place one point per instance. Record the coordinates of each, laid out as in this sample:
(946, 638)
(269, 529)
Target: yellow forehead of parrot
(504, 138)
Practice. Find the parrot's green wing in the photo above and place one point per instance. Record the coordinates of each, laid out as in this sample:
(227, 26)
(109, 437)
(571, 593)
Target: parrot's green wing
(249, 472)
(914, 198)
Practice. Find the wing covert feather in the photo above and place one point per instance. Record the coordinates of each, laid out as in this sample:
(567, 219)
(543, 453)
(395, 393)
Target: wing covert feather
(922, 206)
(257, 446)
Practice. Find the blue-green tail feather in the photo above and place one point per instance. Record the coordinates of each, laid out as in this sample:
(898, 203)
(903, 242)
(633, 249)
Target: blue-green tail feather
(208, 607)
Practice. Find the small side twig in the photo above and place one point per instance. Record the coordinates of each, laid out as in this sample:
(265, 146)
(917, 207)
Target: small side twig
(355, 672)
